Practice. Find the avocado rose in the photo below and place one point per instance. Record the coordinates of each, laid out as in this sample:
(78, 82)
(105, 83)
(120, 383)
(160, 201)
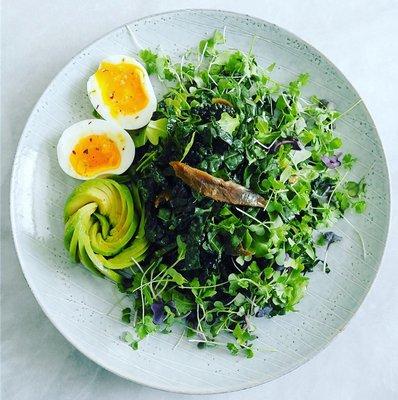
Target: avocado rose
(105, 227)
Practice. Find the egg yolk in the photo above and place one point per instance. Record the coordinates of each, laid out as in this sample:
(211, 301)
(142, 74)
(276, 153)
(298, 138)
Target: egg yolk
(95, 154)
(122, 88)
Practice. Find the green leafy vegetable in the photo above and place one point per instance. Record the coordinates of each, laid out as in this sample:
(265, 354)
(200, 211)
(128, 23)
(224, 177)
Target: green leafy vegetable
(228, 123)
(149, 59)
(215, 267)
(348, 161)
(96, 114)
(208, 46)
(188, 146)
(156, 130)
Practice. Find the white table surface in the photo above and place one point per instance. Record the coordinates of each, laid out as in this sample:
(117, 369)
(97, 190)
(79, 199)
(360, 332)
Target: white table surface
(39, 37)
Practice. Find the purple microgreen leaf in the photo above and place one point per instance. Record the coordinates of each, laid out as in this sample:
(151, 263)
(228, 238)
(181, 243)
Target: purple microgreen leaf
(331, 237)
(333, 161)
(158, 312)
(264, 312)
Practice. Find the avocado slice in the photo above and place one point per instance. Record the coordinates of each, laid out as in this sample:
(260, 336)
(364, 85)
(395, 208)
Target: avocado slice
(135, 252)
(73, 228)
(105, 227)
(128, 257)
(114, 203)
(104, 223)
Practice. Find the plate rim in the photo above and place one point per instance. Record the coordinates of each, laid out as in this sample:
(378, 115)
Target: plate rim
(19, 249)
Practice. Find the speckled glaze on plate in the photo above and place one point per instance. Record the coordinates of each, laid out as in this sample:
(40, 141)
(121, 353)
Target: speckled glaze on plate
(82, 307)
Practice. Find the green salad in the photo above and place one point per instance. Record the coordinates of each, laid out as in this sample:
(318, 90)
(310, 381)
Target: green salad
(236, 181)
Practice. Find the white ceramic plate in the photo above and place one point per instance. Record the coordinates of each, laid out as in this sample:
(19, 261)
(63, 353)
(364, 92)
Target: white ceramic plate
(82, 306)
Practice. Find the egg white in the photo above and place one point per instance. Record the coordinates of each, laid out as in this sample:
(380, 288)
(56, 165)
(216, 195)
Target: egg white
(71, 136)
(132, 121)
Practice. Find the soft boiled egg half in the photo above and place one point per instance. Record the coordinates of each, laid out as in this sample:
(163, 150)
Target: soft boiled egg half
(93, 148)
(120, 91)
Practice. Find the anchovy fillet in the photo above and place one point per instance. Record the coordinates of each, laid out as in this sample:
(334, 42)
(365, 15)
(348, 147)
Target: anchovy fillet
(216, 188)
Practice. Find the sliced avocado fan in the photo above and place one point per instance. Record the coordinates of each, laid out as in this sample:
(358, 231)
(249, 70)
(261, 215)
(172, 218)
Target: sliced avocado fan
(105, 227)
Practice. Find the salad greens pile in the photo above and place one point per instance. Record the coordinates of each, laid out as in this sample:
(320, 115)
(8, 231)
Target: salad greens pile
(215, 267)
